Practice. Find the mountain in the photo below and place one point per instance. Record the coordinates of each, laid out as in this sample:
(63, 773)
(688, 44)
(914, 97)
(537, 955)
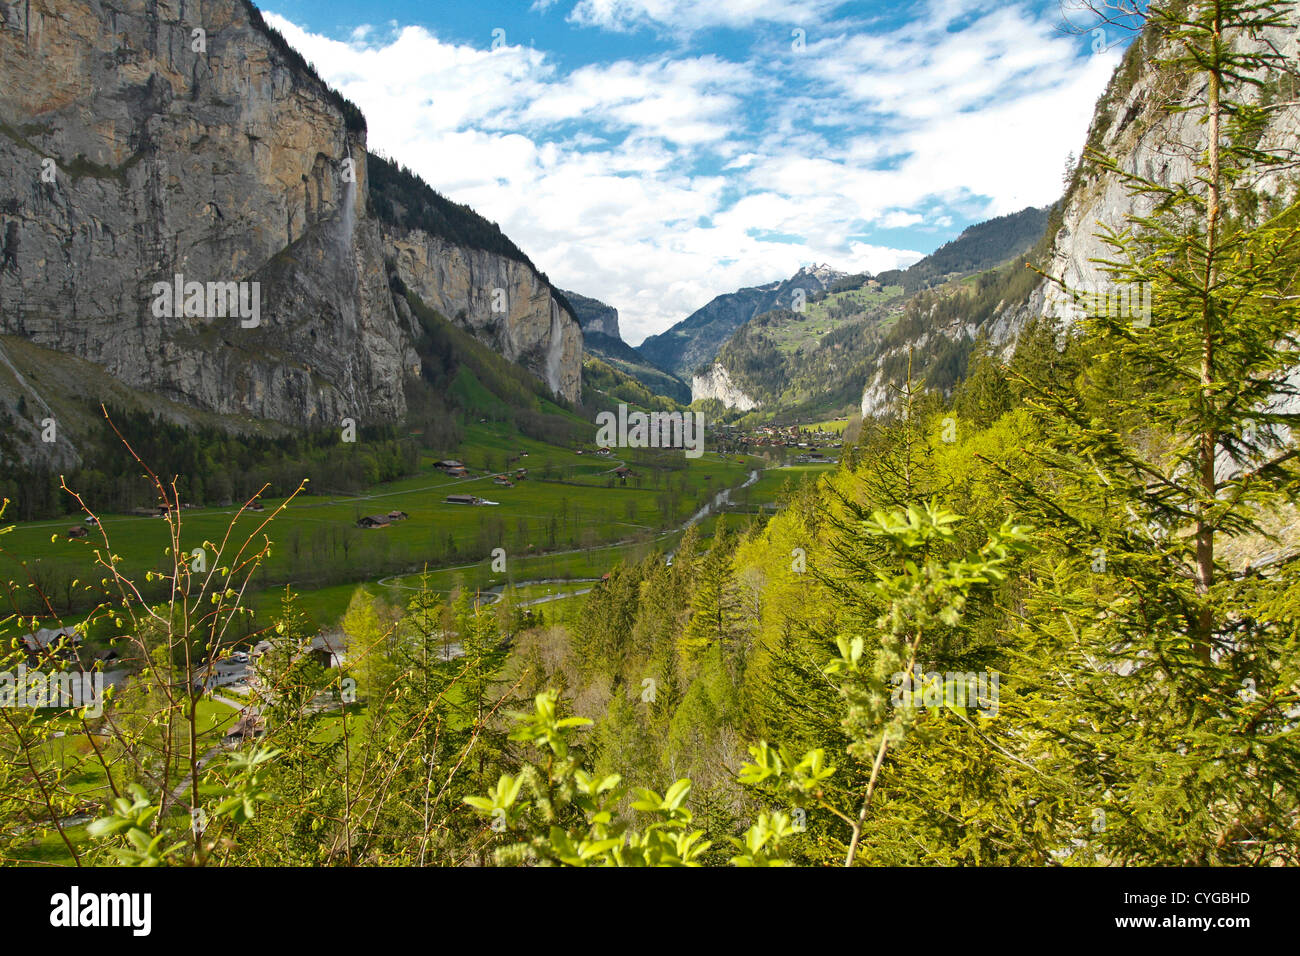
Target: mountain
(1133, 126)
(979, 247)
(694, 342)
(465, 269)
(601, 339)
(782, 360)
(594, 315)
(134, 150)
(816, 360)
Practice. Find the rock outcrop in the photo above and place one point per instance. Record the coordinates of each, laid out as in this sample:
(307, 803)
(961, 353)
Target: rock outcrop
(601, 339)
(1133, 126)
(715, 382)
(594, 315)
(145, 139)
(503, 302)
(694, 342)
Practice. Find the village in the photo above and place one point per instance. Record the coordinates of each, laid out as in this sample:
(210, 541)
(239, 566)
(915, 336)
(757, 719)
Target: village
(812, 444)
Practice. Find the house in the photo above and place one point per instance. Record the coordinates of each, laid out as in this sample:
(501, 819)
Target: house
(249, 725)
(257, 505)
(92, 521)
(503, 481)
(457, 473)
(521, 474)
(373, 521)
(77, 531)
(448, 463)
(397, 516)
(325, 652)
(49, 637)
(462, 499)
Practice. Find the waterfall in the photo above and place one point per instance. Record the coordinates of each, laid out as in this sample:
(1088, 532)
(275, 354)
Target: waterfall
(555, 352)
(348, 219)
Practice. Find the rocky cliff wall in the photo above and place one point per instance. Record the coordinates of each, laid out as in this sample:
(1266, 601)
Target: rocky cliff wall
(594, 315)
(142, 140)
(1133, 126)
(716, 382)
(135, 149)
(504, 303)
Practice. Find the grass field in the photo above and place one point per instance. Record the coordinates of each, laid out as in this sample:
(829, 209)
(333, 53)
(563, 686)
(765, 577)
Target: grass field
(568, 501)
(835, 426)
(571, 517)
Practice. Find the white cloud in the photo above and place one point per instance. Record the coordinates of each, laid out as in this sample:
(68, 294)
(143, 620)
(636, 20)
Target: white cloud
(899, 219)
(659, 182)
(691, 15)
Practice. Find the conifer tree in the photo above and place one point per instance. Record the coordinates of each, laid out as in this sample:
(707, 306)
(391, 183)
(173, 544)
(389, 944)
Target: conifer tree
(713, 602)
(1163, 673)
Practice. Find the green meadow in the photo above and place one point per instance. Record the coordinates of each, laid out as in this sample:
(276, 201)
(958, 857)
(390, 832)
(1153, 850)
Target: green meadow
(561, 521)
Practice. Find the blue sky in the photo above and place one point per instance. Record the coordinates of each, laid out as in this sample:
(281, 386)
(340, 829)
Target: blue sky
(656, 153)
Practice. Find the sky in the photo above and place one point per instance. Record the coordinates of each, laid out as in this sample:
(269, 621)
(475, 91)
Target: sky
(656, 153)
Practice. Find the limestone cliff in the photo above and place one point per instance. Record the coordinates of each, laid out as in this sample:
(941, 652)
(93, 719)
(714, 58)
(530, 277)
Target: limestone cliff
(504, 303)
(1132, 125)
(594, 315)
(715, 382)
(145, 139)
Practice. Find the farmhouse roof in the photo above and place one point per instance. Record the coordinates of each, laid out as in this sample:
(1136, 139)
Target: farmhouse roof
(50, 635)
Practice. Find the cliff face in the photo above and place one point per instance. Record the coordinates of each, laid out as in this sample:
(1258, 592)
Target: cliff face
(134, 149)
(1133, 126)
(715, 382)
(594, 315)
(601, 338)
(504, 303)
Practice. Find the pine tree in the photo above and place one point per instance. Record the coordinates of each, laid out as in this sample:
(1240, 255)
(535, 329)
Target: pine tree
(1161, 675)
(714, 613)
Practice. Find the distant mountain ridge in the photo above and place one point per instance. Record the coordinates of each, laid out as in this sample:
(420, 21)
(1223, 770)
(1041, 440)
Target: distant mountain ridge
(822, 357)
(979, 247)
(601, 338)
(694, 342)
